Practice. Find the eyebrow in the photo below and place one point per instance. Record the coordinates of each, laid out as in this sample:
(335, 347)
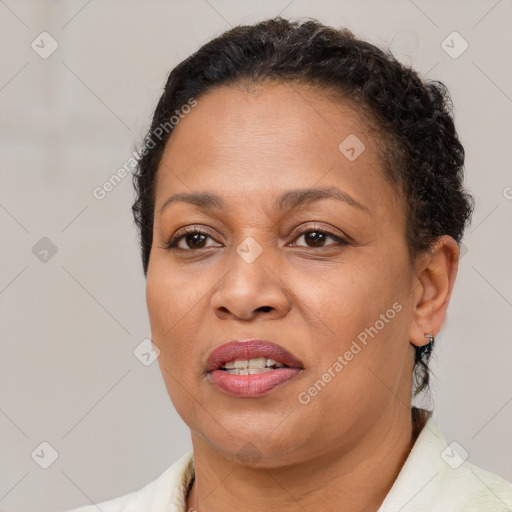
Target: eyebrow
(288, 200)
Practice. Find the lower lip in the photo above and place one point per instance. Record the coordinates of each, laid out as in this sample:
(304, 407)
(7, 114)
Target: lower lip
(252, 385)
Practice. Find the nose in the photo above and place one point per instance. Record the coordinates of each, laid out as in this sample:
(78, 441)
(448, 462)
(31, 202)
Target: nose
(249, 290)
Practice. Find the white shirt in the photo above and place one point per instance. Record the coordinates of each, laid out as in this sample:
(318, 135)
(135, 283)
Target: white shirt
(434, 478)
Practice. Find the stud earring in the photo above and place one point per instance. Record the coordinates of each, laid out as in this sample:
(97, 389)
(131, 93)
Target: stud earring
(430, 337)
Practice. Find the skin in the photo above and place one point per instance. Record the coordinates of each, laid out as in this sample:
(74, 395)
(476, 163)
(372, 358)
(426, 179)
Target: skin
(250, 145)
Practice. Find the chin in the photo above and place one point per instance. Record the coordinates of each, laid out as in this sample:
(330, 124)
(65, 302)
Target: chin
(256, 440)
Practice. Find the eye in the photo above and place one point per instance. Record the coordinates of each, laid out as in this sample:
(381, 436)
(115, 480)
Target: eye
(194, 238)
(316, 237)
(189, 240)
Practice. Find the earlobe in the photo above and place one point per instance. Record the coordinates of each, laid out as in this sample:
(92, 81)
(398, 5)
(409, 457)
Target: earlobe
(434, 281)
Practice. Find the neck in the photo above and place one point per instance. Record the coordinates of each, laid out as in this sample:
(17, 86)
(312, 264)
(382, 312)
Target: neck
(356, 480)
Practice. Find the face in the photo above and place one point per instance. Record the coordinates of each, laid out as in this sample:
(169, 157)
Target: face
(302, 246)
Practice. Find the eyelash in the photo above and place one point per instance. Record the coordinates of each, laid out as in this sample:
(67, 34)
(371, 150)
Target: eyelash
(174, 241)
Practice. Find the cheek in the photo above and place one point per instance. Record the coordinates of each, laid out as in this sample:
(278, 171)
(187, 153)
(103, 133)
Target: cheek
(361, 357)
(177, 307)
(160, 301)
(167, 303)
(361, 312)
(349, 298)
(170, 297)
(170, 309)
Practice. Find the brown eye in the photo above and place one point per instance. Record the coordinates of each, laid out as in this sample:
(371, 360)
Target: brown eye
(317, 238)
(189, 241)
(195, 240)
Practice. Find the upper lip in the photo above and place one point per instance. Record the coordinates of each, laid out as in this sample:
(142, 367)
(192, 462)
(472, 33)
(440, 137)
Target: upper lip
(249, 349)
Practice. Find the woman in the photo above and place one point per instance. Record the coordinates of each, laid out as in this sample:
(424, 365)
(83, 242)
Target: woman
(300, 203)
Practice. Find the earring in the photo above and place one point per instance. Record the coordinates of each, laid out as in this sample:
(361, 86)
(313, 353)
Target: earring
(430, 337)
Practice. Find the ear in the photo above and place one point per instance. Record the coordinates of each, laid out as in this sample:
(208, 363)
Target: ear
(435, 273)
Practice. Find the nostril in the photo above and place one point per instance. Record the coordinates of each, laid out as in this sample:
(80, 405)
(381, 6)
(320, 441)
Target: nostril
(266, 309)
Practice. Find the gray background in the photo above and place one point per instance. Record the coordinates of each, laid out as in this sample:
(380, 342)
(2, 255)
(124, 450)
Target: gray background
(70, 324)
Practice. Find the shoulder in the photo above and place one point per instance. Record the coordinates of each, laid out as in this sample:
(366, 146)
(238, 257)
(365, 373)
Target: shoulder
(484, 491)
(436, 478)
(167, 492)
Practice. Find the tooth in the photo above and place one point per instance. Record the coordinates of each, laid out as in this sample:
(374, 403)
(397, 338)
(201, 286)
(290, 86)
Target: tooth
(252, 366)
(257, 362)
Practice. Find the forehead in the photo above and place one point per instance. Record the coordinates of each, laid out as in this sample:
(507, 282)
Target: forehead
(265, 120)
(270, 137)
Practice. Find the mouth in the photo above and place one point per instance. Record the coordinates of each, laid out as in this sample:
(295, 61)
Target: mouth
(251, 368)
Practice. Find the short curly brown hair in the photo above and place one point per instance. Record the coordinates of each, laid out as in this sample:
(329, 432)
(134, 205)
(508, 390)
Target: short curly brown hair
(422, 155)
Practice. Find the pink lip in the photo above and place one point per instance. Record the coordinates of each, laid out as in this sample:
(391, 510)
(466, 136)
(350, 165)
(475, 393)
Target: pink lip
(249, 349)
(251, 385)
